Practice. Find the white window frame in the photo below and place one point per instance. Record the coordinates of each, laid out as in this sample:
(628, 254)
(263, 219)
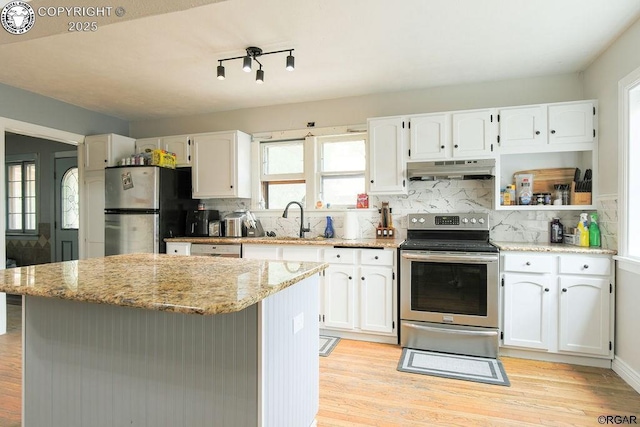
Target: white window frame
(22, 159)
(625, 260)
(293, 177)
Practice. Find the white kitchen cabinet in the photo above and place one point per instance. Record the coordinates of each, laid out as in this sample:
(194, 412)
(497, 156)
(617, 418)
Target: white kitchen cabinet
(221, 165)
(429, 136)
(180, 145)
(93, 221)
(522, 128)
(268, 252)
(105, 150)
(571, 123)
(558, 303)
(338, 298)
(472, 134)
(179, 248)
(376, 299)
(387, 171)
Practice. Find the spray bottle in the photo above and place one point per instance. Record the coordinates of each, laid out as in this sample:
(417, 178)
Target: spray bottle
(594, 231)
(583, 230)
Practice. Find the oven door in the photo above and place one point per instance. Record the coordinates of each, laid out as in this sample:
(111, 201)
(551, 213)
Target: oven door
(453, 288)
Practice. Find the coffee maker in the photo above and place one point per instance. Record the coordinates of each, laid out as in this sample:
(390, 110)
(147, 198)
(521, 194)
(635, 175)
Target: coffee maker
(198, 222)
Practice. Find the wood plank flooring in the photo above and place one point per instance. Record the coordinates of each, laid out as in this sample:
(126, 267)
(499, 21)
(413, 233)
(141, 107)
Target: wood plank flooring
(360, 386)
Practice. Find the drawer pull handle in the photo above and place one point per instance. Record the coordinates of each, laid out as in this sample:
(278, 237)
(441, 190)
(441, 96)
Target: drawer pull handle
(586, 266)
(546, 289)
(338, 256)
(175, 250)
(528, 263)
(564, 289)
(375, 257)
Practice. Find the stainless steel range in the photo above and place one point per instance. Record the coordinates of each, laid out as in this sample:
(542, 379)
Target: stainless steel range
(449, 287)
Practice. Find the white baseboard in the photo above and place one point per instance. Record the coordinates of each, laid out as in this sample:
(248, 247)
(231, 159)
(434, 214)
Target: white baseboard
(627, 373)
(596, 362)
(359, 336)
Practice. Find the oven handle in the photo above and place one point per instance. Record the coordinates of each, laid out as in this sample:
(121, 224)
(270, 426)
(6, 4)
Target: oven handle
(470, 259)
(451, 331)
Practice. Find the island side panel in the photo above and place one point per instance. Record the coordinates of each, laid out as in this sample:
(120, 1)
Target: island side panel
(91, 365)
(290, 363)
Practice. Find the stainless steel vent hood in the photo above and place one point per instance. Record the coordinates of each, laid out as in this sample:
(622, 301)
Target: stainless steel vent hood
(452, 169)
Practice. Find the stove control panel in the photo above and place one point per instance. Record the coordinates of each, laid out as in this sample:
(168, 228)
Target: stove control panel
(431, 221)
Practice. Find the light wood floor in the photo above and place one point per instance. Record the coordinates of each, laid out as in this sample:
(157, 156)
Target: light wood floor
(360, 386)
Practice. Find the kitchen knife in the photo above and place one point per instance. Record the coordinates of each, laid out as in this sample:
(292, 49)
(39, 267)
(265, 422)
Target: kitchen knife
(576, 176)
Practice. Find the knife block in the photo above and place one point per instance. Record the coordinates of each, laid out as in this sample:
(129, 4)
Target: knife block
(578, 198)
(258, 231)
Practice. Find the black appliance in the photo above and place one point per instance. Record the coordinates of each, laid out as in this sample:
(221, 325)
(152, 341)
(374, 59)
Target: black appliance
(198, 221)
(143, 206)
(449, 285)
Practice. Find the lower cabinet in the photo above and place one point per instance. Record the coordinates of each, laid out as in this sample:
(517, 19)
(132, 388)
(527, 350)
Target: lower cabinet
(558, 303)
(337, 310)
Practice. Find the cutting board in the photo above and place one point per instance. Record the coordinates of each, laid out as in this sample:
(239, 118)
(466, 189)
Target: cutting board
(545, 179)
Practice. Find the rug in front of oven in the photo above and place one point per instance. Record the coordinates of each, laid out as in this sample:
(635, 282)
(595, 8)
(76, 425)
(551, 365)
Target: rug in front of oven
(327, 344)
(469, 368)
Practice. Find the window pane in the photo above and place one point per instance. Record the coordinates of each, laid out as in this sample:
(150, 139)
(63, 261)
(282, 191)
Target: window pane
(14, 173)
(30, 205)
(15, 205)
(15, 222)
(69, 202)
(30, 173)
(281, 194)
(30, 221)
(342, 190)
(283, 158)
(341, 156)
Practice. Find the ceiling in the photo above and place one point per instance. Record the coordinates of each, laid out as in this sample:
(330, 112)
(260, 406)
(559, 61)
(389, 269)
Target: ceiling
(160, 60)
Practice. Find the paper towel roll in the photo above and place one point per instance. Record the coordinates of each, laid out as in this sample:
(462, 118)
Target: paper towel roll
(350, 225)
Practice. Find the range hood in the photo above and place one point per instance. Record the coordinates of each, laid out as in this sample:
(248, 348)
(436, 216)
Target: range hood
(451, 169)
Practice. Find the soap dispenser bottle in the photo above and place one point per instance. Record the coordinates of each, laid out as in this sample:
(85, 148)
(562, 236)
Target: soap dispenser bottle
(328, 231)
(583, 230)
(594, 231)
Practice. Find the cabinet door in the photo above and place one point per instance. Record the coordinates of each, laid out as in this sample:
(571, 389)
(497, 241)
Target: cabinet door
(522, 127)
(339, 297)
(214, 165)
(386, 160)
(144, 144)
(430, 136)
(376, 299)
(180, 146)
(584, 315)
(179, 248)
(527, 301)
(571, 123)
(93, 192)
(96, 152)
(268, 252)
(472, 134)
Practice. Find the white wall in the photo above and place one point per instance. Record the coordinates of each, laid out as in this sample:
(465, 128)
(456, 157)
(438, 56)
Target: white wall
(601, 81)
(348, 111)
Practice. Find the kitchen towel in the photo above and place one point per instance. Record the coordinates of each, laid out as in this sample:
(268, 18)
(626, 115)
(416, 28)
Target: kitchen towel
(350, 225)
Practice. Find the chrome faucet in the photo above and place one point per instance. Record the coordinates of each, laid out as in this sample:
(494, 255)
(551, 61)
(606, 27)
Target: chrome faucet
(302, 228)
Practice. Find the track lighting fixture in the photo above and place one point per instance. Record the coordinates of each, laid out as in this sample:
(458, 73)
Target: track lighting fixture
(252, 54)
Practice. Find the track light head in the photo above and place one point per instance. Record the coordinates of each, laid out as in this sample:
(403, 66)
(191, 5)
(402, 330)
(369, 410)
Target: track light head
(246, 64)
(260, 76)
(290, 62)
(220, 71)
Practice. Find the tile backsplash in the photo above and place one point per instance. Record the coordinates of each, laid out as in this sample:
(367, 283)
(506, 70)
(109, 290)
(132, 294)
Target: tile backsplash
(447, 196)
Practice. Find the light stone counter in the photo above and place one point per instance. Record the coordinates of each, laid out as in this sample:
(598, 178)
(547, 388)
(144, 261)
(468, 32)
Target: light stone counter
(192, 285)
(547, 247)
(308, 241)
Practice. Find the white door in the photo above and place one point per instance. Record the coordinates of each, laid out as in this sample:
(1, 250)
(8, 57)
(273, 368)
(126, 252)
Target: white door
(584, 315)
(66, 208)
(180, 146)
(527, 300)
(430, 136)
(93, 192)
(214, 166)
(339, 296)
(571, 123)
(386, 156)
(376, 299)
(472, 134)
(522, 127)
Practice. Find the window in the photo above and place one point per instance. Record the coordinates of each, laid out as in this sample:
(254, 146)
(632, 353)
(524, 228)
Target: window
(21, 194)
(69, 202)
(282, 174)
(341, 169)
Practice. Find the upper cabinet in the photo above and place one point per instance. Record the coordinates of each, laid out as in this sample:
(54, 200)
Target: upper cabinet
(430, 136)
(472, 134)
(565, 126)
(105, 150)
(387, 172)
(180, 145)
(221, 166)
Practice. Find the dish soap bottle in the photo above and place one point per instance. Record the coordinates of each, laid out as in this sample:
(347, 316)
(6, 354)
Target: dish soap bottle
(328, 231)
(583, 230)
(594, 231)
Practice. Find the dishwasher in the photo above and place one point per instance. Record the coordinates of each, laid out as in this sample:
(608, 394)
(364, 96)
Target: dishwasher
(218, 250)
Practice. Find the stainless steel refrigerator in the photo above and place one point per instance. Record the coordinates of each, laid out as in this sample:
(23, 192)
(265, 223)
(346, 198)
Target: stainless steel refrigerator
(143, 206)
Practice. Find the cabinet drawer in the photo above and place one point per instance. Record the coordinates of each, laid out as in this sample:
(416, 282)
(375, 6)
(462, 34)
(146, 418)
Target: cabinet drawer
(340, 256)
(376, 257)
(179, 248)
(529, 263)
(579, 264)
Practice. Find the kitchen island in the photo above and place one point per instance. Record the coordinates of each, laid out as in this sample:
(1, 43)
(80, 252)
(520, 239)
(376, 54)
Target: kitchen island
(157, 340)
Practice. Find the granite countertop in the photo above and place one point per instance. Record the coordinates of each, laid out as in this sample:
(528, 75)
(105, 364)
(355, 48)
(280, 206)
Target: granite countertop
(193, 285)
(548, 247)
(309, 241)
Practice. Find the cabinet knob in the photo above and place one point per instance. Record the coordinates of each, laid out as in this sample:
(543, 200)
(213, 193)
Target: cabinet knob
(546, 289)
(585, 266)
(338, 256)
(362, 277)
(231, 186)
(375, 257)
(455, 146)
(537, 132)
(175, 250)
(372, 181)
(564, 289)
(527, 263)
(350, 277)
(105, 160)
(553, 131)
(442, 147)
